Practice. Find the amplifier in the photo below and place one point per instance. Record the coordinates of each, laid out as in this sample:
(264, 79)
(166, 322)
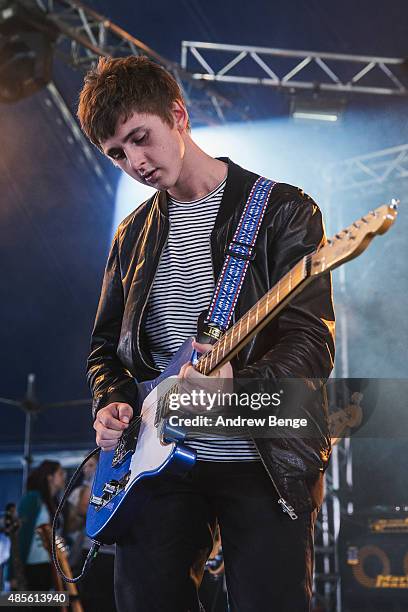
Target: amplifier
(373, 548)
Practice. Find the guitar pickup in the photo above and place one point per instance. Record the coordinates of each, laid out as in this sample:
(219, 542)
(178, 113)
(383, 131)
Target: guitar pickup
(111, 487)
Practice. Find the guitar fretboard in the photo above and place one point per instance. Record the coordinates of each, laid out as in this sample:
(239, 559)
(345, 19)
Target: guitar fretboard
(256, 317)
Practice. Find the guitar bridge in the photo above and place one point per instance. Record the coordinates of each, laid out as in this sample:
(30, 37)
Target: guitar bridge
(110, 490)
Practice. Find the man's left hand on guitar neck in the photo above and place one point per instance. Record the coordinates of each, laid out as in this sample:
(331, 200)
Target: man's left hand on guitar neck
(191, 380)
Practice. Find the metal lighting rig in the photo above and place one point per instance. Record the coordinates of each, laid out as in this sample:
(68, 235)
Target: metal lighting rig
(290, 69)
(80, 35)
(33, 31)
(371, 172)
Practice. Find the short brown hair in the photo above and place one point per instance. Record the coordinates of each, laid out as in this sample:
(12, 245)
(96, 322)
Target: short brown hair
(117, 87)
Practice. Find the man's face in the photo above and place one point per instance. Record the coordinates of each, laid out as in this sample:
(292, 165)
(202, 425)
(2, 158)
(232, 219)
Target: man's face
(148, 149)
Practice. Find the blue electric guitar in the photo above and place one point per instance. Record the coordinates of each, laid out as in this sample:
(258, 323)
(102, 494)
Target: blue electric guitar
(149, 445)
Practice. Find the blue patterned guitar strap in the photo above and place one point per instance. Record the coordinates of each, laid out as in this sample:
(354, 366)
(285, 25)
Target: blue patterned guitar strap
(240, 252)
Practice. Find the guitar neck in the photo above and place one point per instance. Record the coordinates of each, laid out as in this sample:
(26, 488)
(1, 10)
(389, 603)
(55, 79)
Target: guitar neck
(71, 586)
(344, 246)
(256, 318)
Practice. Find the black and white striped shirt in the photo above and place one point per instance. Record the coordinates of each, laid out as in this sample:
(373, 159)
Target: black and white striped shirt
(182, 289)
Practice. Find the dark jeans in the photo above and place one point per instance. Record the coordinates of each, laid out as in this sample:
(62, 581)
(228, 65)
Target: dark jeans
(268, 557)
(96, 587)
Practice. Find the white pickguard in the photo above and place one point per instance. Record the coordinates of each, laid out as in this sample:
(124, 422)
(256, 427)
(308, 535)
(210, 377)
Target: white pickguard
(150, 453)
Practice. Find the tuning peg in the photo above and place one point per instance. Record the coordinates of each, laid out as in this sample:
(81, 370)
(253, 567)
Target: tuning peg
(394, 203)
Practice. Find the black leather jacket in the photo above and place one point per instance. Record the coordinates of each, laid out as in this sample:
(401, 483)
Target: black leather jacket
(299, 342)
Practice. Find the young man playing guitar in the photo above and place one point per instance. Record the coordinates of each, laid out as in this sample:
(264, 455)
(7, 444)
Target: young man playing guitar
(161, 272)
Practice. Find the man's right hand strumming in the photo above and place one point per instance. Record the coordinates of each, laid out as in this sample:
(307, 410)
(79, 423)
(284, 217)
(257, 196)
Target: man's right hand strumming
(110, 423)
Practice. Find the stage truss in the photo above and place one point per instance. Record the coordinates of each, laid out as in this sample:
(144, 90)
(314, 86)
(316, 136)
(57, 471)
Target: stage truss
(373, 172)
(281, 68)
(85, 35)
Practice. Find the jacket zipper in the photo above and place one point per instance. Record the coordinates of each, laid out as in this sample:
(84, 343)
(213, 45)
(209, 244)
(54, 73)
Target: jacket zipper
(285, 506)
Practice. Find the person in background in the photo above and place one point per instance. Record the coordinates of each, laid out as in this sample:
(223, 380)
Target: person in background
(13, 576)
(37, 507)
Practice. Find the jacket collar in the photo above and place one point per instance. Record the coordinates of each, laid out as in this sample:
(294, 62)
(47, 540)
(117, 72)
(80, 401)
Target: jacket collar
(239, 182)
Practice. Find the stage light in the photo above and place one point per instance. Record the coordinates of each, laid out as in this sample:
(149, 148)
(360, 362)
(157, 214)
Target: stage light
(26, 50)
(315, 116)
(316, 108)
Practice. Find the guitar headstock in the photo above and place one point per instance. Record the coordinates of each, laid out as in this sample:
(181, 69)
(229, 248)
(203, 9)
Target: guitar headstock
(353, 240)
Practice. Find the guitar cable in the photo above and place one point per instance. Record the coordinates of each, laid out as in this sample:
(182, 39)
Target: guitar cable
(95, 546)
